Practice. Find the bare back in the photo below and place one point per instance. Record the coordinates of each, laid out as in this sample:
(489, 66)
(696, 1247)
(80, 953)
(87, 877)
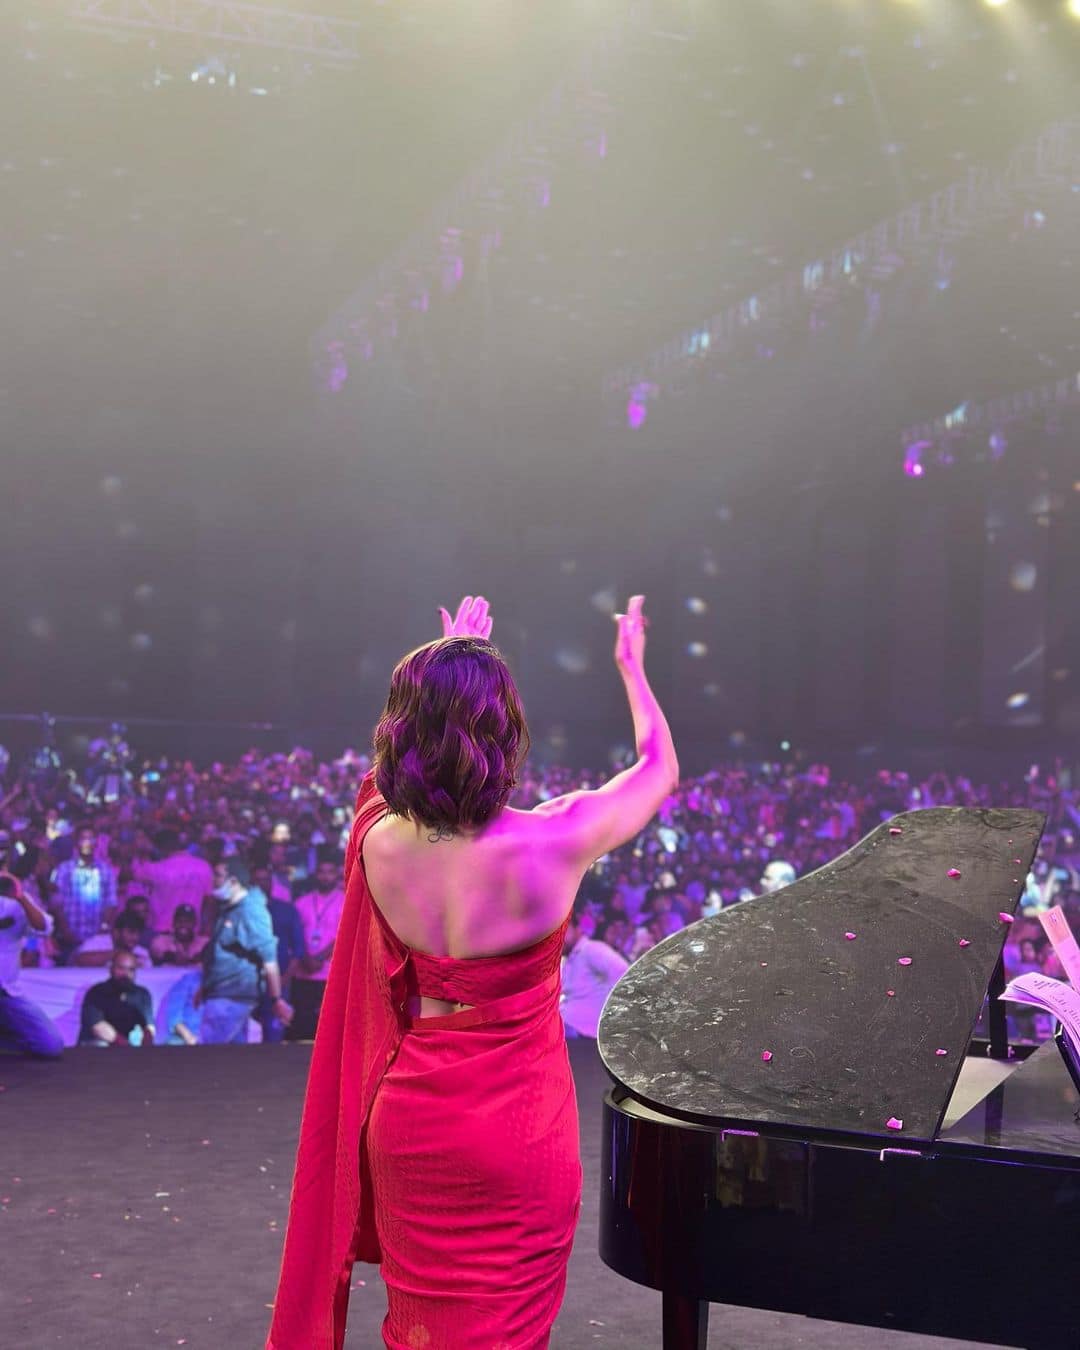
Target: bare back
(488, 893)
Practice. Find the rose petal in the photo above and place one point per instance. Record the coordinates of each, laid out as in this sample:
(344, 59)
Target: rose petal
(1005, 918)
(891, 993)
(766, 1055)
(941, 1052)
(964, 942)
(904, 961)
(894, 1124)
(895, 829)
(1018, 862)
(953, 872)
(850, 937)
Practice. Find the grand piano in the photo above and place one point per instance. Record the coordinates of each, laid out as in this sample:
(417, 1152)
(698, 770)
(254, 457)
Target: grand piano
(774, 1136)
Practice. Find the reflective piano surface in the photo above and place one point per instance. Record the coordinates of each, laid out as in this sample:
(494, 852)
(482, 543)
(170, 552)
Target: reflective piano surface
(727, 1183)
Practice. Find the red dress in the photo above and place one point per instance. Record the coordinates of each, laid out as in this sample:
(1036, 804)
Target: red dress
(443, 1148)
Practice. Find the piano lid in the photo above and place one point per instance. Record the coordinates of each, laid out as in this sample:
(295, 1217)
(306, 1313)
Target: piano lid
(686, 1026)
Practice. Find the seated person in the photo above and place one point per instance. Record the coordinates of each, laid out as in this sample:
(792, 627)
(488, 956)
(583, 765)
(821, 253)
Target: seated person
(98, 950)
(183, 946)
(139, 905)
(117, 1011)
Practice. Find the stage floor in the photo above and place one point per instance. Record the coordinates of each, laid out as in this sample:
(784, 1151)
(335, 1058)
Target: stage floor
(143, 1201)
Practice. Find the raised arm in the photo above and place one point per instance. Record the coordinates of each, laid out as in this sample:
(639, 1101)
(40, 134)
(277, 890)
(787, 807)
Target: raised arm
(588, 824)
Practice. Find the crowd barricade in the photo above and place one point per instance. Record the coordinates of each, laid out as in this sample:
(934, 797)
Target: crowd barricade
(59, 991)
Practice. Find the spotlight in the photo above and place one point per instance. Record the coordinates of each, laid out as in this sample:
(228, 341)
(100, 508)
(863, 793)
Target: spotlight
(996, 4)
(1073, 6)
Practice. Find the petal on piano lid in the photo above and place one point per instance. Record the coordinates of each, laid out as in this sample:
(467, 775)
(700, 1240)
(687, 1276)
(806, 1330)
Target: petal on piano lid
(766, 1055)
(893, 1124)
(965, 942)
(1005, 918)
(850, 937)
(953, 872)
(904, 961)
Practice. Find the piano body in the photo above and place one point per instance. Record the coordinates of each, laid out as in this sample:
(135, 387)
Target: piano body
(774, 1136)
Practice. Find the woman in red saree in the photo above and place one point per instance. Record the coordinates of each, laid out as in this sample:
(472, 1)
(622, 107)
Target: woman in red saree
(445, 1147)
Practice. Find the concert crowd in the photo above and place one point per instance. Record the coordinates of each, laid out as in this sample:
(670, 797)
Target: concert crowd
(152, 836)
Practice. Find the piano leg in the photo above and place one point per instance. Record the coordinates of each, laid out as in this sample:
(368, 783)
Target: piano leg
(999, 1027)
(686, 1323)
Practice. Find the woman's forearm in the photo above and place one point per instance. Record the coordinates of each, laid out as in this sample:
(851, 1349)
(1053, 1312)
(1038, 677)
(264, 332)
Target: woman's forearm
(651, 730)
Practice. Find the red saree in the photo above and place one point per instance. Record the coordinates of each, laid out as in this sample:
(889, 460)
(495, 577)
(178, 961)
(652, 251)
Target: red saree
(445, 1149)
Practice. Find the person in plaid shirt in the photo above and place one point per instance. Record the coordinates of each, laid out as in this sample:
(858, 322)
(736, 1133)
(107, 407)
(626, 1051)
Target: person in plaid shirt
(84, 895)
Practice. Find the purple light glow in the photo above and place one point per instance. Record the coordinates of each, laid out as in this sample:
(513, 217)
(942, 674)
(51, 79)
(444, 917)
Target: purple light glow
(913, 465)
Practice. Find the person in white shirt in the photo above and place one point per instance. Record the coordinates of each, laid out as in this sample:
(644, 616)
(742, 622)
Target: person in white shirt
(590, 970)
(23, 1025)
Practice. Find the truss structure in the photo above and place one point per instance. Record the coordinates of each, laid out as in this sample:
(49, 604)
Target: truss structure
(473, 222)
(990, 418)
(226, 21)
(1052, 161)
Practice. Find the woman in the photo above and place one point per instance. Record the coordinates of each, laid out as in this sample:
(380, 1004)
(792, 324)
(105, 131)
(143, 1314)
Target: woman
(439, 1135)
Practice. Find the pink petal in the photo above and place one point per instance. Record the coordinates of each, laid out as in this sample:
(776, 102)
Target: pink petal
(764, 964)
(904, 961)
(964, 942)
(895, 829)
(1018, 862)
(953, 872)
(1005, 918)
(850, 937)
(891, 993)
(766, 1055)
(941, 1052)
(96, 1275)
(894, 1124)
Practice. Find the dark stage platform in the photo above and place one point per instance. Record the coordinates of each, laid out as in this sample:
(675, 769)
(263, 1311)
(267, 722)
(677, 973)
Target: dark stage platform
(143, 1199)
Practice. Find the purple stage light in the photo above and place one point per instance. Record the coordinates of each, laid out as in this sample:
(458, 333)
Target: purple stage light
(913, 465)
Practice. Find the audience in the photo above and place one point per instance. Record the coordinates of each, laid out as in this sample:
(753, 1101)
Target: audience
(117, 1011)
(24, 1027)
(124, 937)
(182, 945)
(283, 819)
(84, 893)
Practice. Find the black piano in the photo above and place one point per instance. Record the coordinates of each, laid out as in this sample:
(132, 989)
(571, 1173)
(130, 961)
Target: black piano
(774, 1137)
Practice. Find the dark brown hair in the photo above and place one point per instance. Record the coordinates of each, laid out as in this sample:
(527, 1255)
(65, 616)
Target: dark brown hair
(452, 737)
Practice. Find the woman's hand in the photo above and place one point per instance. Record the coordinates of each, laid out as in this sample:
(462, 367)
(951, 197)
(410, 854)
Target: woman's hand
(630, 641)
(472, 619)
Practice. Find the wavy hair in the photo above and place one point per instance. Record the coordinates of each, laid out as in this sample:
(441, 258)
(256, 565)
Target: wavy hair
(452, 738)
